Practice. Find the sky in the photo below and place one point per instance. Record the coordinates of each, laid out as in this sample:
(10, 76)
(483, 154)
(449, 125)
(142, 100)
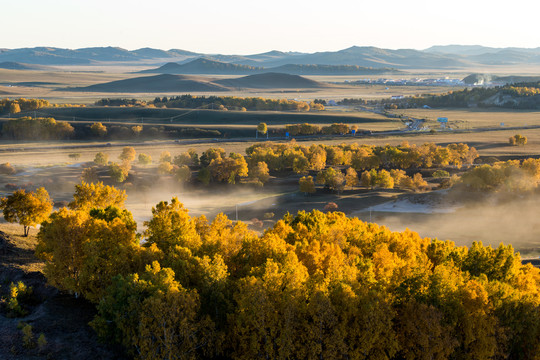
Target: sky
(255, 26)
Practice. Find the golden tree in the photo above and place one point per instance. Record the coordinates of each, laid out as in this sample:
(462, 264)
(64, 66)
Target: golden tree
(27, 208)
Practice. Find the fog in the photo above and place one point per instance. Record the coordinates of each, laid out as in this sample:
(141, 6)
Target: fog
(509, 219)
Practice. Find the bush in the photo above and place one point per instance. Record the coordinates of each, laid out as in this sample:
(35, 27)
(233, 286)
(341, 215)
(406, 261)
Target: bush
(440, 174)
(258, 224)
(331, 206)
(7, 169)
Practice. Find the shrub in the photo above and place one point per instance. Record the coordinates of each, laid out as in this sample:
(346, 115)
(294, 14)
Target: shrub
(7, 169)
(331, 206)
(440, 174)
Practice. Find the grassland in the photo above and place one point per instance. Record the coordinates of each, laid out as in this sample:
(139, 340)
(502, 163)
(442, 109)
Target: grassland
(49, 164)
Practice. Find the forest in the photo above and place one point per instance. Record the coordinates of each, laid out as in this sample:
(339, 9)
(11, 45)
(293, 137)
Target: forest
(315, 285)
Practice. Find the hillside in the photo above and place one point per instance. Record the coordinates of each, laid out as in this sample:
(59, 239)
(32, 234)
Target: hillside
(157, 83)
(11, 65)
(270, 81)
(512, 96)
(204, 66)
(189, 83)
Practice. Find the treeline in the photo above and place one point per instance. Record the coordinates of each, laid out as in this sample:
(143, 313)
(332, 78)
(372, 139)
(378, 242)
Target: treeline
(234, 103)
(521, 96)
(310, 129)
(510, 176)
(313, 286)
(300, 158)
(216, 103)
(17, 105)
(27, 128)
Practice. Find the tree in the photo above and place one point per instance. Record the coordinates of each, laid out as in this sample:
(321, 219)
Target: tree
(517, 139)
(88, 196)
(182, 174)
(165, 157)
(98, 130)
(83, 250)
(90, 175)
(351, 177)
(145, 159)
(27, 209)
(307, 186)
(204, 176)
(228, 169)
(119, 173)
(137, 129)
(14, 108)
(128, 154)
(171, 226)
(262, 128)
(260, 172)
(101, 158)
(165, 168)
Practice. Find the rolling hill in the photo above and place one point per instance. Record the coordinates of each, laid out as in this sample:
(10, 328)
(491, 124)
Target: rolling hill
(204, 66)
(171, 83)
(159, 83)
(272, 81)
(11, 65)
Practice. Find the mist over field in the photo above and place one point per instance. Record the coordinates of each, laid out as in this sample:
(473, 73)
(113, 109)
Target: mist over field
(493, 219)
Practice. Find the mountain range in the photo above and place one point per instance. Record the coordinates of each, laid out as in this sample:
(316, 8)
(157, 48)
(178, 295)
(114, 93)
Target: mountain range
(436, 57)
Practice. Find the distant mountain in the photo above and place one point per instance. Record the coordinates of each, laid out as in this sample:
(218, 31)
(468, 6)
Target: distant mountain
(331, 70)
(272, 81)
(461, 49)
(204, 66)
(170, 83)
(90, 56)
(435, 57)
(11, 65)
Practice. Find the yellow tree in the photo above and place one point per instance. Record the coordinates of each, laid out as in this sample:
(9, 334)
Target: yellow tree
(98, 129)
(171, 226)
(260, 172)
(128, 154)
(351, 177)
(307, 186)
(84, 251)
(27, 209)
(88, 196)
(101, 158)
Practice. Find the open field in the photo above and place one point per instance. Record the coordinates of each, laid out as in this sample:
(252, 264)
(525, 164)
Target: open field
(49, 84)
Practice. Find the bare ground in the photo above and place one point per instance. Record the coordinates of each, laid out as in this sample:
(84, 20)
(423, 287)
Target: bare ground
(61, 317)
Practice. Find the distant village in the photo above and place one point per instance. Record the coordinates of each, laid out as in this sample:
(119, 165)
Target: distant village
(446, 81)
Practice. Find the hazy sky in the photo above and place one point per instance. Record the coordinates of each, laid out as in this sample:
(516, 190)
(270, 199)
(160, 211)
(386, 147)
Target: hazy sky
(253, 26)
